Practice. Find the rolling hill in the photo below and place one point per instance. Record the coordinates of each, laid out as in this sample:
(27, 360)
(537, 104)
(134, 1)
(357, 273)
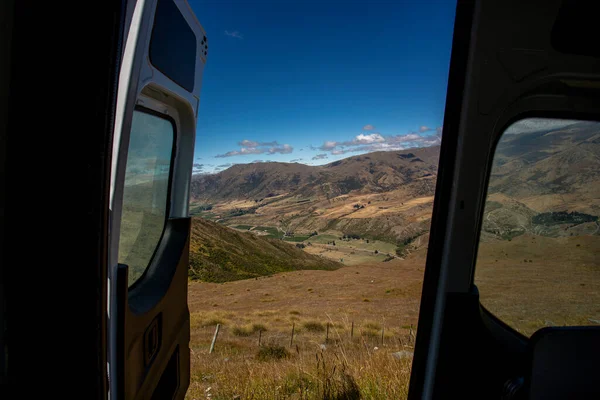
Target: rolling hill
(221, 254)
(543, 183)
(369, 173)
(551, 171)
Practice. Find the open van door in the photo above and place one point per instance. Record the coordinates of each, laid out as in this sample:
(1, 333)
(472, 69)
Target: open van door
(100, 301)
(523, 93)
(163, 56)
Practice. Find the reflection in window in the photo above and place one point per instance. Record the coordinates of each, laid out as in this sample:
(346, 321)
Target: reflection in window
(145, 196)
(538, 263)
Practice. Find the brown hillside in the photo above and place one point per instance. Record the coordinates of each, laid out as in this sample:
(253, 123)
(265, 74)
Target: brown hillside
(369, 173)
(220, 254)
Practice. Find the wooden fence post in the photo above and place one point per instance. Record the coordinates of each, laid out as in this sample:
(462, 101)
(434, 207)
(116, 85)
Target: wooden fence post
(212, 345)
(259, 336)
(352, 330)
(292, 338)
(327, 334)
(382, 331)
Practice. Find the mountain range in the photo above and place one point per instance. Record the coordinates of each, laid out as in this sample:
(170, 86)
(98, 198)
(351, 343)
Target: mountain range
(544, 182)
(376, 172)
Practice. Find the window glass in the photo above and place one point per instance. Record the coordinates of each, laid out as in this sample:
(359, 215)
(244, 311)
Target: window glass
(538, 263)
(145, 196)
(173, 45)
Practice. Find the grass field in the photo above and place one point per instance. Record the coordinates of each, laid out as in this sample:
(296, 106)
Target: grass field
(296, 238)
(243, 227)
(534, 281)
(375, 297)
(269, 231)
(558, 286)
(348, 251)
(311, 368)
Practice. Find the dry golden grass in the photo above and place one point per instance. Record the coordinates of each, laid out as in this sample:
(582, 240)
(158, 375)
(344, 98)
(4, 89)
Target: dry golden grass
(310, 368)
(535, 281)
(559, 285)
(346, 254)
(308, 301)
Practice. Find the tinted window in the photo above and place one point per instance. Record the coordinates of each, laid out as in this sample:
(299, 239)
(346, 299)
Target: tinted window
(538, 261)
(173, 45)
(145, 196)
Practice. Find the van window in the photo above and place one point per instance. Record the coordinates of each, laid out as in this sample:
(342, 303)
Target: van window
(538, 263)
(146, 192)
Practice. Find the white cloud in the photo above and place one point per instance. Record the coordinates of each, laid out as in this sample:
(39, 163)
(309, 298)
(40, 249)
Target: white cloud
(253, 147)
(285, 149)
(243, 151)
(252, 143)
(377, 142)
(234, 34)
(320, 157)
(248, 143)
(368, 127)
(411, 137)
(329, 145)
(338, 152)
(366, 139)
(296, 160)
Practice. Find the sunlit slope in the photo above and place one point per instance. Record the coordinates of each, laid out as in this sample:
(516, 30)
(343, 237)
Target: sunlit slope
(368, 173)
(220, 254)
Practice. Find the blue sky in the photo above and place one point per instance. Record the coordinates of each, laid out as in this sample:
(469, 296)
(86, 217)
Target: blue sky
(316, 81)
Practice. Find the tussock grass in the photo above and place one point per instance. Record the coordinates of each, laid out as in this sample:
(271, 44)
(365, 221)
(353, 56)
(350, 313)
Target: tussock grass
(309, 369)
(241, 331)
(370, 333)
(258, 327)
(213, 322)
(245, 331)
(268, 353)
(313, 326)
(372, 325)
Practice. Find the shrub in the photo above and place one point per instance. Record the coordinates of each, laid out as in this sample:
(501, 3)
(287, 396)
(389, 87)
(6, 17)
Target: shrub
(314, 326)
(267, 353)
(373, 325)
(370, 333)
(212, 322)
(258, 327)
(242, 331)
(400, 250)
